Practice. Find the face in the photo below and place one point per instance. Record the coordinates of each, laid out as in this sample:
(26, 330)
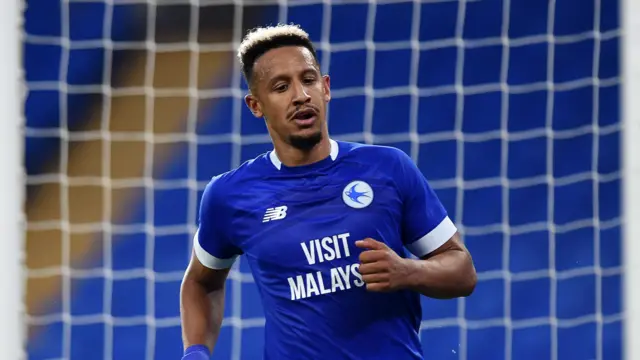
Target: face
(291, 94)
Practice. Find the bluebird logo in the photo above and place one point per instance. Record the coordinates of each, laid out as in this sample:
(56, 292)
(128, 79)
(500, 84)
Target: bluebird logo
(358, 194)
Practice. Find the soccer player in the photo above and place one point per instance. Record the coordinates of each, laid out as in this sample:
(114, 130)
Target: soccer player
(324, 226)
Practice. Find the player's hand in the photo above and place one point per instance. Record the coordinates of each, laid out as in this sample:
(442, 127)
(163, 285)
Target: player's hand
(382, 269)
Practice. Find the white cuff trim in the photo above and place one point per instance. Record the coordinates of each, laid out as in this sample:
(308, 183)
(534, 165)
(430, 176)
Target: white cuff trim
(209, 260)
(434, 239)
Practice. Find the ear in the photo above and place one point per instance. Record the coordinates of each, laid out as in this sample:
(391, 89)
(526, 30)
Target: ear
(327, 87)
(253, 105)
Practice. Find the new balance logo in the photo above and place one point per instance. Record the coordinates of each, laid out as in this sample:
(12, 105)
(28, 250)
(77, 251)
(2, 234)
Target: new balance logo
(275, 213)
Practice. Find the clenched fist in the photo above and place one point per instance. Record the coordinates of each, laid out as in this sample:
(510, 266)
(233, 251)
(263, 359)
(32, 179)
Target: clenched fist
(382, 269)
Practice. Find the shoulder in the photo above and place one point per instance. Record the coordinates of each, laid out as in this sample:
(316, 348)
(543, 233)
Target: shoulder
(374, 153)
(385, 162)
(222, 187)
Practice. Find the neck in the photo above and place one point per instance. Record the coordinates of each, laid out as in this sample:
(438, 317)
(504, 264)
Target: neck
(291, 156)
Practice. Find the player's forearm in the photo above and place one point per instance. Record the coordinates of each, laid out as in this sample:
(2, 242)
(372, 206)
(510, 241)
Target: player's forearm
(448, 275)
(201, 314)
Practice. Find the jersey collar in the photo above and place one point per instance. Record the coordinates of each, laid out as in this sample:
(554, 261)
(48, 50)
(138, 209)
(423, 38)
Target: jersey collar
(278, 164)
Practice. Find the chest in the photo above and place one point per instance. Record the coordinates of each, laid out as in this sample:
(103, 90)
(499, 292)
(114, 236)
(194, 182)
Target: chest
(315, 221)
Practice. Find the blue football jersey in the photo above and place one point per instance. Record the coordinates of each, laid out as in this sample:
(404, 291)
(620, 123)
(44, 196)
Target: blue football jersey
(297, 227)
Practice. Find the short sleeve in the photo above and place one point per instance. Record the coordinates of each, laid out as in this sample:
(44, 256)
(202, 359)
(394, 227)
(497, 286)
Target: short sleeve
(212, 244)
(425, 223)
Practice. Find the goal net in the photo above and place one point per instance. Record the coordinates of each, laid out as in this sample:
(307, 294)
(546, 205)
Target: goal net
(510, 109)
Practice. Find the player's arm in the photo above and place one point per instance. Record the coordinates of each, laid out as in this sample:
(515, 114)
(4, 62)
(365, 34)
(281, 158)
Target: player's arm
(201, 307)
(443, 269)
(202, 291)
(445, 273)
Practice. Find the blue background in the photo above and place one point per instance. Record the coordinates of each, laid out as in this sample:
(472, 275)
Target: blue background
(521, 143)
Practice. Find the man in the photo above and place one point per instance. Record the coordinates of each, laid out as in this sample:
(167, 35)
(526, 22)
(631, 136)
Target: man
(323, 225)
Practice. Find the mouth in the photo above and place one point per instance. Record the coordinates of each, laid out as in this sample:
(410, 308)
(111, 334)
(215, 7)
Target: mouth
(305, 117)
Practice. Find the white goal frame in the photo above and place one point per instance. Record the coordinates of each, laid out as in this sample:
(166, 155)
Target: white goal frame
(12, 184)
(630, 24)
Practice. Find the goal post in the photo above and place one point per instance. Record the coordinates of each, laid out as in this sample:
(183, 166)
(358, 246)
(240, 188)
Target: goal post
(630, 19)
(11, 184)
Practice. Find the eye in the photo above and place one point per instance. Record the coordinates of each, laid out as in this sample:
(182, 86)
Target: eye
(280, 87)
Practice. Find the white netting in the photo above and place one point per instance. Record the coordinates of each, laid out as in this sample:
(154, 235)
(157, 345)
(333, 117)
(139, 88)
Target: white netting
(488, 99)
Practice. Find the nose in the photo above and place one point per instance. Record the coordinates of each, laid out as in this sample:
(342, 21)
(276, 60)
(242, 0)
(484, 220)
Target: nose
(300, 94)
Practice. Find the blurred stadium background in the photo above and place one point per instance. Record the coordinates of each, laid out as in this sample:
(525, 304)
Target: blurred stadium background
(510, 108)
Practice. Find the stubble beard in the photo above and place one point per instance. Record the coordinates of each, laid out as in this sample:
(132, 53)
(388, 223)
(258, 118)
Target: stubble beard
(305, 142)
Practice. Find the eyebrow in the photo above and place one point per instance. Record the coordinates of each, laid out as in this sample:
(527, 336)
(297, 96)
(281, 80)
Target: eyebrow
(283, 76)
